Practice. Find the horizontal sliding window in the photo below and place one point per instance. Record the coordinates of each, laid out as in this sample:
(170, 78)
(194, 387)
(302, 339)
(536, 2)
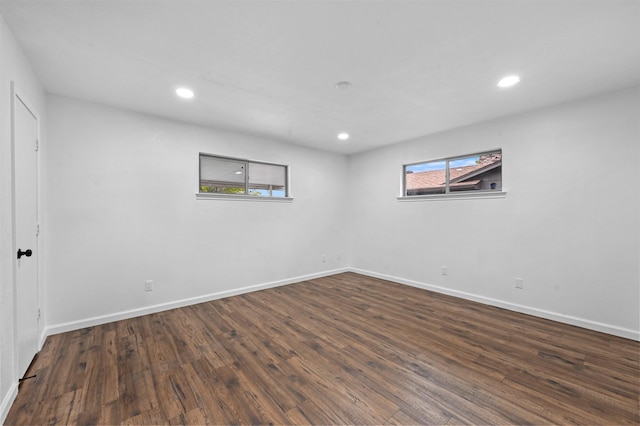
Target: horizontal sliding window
(232, 176)
(468, 173)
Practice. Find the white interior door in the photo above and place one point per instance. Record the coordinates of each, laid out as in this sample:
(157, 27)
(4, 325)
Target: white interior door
(25, 138)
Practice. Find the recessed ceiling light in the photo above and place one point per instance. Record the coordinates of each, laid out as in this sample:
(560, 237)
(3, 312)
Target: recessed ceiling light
(343, 85)
(185, 93)
(509, 81)
(343, 136)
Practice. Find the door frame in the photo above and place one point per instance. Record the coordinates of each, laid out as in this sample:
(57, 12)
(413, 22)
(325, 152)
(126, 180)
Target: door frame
(18, 96)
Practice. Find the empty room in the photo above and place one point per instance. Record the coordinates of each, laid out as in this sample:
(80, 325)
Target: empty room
(319, 212)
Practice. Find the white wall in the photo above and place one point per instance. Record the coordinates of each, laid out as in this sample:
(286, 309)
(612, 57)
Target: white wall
(569, 225)
(122, 210)
(13, 67)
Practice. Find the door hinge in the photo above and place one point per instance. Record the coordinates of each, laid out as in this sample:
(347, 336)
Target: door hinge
(37, 144)
(37, 230)
(38, 313)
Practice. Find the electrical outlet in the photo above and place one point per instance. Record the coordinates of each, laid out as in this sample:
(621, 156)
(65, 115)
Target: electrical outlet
(519, 282)
(148, 285)
(339, 257)
(324, 258)
(445, 270)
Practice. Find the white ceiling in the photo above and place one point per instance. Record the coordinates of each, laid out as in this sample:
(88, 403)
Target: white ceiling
(269, 68)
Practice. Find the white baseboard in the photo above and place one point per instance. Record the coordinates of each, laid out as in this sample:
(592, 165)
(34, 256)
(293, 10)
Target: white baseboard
(566, 319)
(7, 401)
(117, 316)
(43, 337)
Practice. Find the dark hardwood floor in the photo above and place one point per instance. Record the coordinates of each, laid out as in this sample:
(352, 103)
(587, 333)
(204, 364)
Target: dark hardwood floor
(345, 349)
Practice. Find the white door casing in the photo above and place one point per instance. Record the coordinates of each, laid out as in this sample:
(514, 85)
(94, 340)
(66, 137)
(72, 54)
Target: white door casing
(25, 203)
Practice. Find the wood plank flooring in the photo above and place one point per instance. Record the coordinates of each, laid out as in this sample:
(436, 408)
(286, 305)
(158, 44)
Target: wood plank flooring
(345, 349)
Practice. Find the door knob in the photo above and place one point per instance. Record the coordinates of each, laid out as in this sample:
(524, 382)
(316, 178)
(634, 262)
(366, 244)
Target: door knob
(27, 253)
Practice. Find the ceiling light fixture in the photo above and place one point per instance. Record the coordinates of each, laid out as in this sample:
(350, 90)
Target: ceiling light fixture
(509, 81)
(184, 93)
(343, 85)
(343, 136)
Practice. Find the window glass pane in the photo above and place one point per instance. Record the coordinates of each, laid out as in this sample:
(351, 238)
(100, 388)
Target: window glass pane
(476, 173)
(267, 180)
(425, 178)
(222, 175)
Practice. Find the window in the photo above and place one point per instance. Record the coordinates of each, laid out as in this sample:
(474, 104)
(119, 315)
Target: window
(232, 176)
(469, 173)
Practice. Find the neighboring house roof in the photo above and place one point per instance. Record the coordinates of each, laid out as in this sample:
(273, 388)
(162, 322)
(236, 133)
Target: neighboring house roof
(461, 174)
(458, 176)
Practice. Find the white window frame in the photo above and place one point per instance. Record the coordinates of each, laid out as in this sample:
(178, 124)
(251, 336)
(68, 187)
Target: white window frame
(449, 195)
(243, 197)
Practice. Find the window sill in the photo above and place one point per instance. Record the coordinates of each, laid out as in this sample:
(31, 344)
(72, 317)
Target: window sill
(455, 196)
(229, 197)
